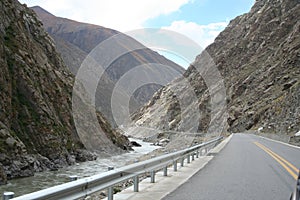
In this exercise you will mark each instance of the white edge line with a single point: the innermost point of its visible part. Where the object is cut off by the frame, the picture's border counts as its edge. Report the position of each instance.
(221, 147)
(290, 145)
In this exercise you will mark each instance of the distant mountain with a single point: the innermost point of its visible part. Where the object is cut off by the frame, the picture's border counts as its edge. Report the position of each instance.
(258, 56)
(37, 130)
(75, 40)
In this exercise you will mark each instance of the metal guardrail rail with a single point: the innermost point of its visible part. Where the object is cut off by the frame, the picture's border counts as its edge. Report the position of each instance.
(296, 194)
(86, 186)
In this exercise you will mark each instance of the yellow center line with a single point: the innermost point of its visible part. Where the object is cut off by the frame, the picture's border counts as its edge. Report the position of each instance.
(281, 161)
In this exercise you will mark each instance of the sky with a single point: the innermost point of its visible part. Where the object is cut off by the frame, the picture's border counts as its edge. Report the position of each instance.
(200, 20)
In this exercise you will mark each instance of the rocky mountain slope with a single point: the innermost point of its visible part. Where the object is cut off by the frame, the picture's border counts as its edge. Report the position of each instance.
(37, 130)
(258, 57)
(75, 40)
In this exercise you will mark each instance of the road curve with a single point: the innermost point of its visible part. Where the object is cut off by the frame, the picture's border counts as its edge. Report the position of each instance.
(249, 167)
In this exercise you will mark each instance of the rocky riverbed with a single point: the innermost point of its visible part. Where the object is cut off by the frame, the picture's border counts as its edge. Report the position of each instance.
(47, 179)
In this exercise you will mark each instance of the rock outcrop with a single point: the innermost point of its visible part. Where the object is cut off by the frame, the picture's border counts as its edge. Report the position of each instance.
(37, 130)
(258, 57)
(75, 40)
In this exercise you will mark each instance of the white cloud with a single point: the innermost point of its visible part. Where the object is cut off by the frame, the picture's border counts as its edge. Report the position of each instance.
(121, 15)
(202, 34)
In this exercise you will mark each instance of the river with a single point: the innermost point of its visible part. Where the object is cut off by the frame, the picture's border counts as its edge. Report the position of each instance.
(47, 179)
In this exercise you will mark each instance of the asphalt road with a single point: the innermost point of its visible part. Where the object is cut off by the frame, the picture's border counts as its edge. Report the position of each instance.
(249, 167)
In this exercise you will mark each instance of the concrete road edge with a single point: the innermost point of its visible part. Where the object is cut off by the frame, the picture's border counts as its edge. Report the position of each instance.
(165, 185)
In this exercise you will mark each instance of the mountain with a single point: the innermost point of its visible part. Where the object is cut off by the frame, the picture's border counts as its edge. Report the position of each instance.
(75, 40)
(37, 130)
(258, 58)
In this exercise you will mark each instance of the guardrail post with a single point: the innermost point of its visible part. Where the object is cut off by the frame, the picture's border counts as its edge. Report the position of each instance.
(175, 165)
(182, 162)
(136, 183)
(188, 158)
(110, 190)
(8, 195)
(197, 154)
(152, 175)
(110, 193)
(166, 171)
(193, 156)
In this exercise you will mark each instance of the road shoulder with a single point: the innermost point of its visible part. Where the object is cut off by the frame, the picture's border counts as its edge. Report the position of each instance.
(165, 185)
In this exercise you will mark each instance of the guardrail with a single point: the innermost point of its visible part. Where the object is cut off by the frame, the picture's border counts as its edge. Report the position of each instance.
(296, 194)
(86, 186)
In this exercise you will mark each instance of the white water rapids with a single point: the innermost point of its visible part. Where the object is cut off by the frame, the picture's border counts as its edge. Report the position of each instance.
(47, 179)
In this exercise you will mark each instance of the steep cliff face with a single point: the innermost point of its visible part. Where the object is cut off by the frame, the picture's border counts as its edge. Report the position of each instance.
(76, 40)
(258, 57)
(37, 131)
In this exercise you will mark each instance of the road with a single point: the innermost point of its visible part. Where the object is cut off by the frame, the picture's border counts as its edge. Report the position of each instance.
(249, 167)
